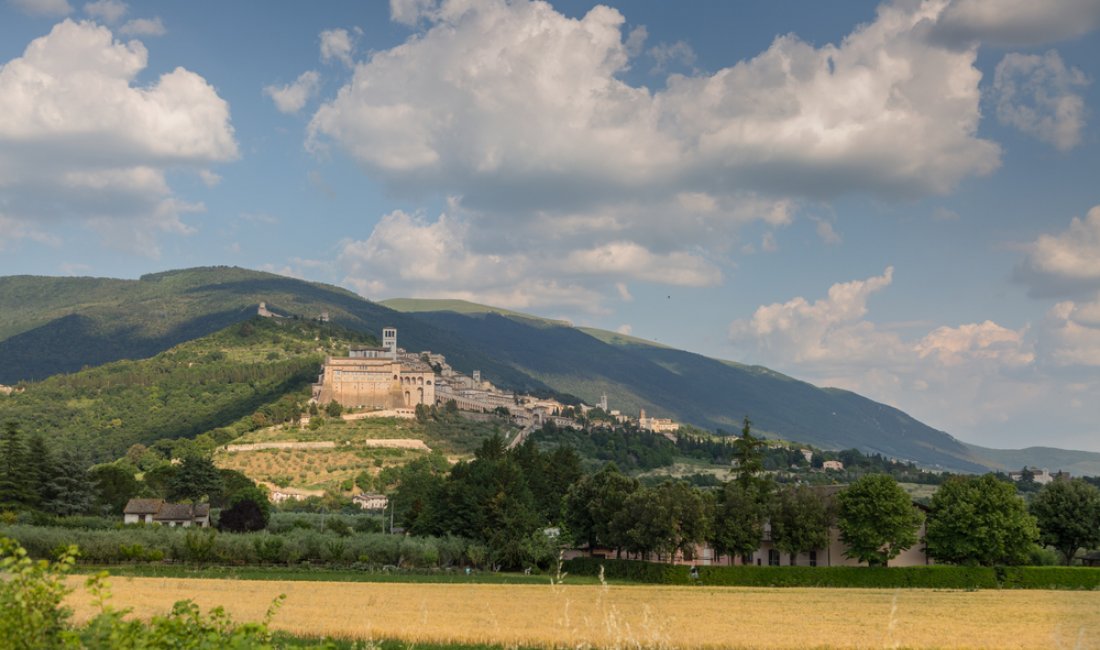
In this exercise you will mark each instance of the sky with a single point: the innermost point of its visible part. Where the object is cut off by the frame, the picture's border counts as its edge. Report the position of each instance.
(897, 198)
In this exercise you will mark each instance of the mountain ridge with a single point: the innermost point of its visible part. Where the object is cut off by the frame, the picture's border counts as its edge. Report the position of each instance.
(58, 325)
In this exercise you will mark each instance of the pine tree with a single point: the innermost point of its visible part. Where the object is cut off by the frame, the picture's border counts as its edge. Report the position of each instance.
(71, 488)
(16, 492)
(40, 471)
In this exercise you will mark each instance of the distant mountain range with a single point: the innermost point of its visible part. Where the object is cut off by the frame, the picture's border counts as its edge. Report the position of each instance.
(59, 325)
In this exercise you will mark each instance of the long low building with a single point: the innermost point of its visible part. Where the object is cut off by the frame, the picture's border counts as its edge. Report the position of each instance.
(376, 378)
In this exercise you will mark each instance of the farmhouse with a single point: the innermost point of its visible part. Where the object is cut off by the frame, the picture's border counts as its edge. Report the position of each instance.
(158, 511)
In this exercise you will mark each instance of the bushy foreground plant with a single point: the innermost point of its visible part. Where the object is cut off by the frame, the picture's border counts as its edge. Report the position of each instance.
(33, 615)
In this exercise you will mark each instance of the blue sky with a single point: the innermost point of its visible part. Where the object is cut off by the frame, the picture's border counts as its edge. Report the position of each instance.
(900, 198)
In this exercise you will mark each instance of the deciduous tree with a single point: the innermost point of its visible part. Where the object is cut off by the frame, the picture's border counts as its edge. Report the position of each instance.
(800, 521)
(979, 520)
(1068, 514)
(877, 519)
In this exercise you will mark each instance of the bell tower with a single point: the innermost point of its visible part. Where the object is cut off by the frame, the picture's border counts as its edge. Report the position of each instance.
(389, 341)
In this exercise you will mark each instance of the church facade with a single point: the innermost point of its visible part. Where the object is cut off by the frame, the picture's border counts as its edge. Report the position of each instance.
(376, 378)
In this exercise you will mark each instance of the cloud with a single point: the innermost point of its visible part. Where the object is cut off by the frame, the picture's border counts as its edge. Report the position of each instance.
(952, 346)
(144, 27)
(517, 109)
(626, 329)
(826, 233)
(502, 98)
(945, 214)
(1036, 95)
(1016, 23)
(79, 140)
(666, 54)
(337, 44)
(43, 7)
(410, 12)
(1072, 334)
(824, 331)
(407, 254)
(970, 378)
(292, 97)
(109, 11)
(13, 230)
(209, 178)
(1067, 263)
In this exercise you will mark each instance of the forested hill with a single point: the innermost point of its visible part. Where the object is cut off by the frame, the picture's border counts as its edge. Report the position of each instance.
(60, 325)
(246, 376)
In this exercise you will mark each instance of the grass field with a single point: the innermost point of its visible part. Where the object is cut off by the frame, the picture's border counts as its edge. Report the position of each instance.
(580, 616)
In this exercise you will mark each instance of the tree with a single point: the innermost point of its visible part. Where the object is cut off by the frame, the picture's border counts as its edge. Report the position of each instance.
(334, 409)
(748, 455)
(739, 515)
(248, 511)
(70, 490)
(196, 479)
(800, 521)
(114, 485)
(594, 508)
(979, 520)
(1068, 514)
(40, 471)
(16, 491)
(877, 519)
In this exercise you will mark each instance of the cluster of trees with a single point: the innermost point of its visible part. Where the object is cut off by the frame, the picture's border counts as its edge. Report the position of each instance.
(35, 478)
(504, 499)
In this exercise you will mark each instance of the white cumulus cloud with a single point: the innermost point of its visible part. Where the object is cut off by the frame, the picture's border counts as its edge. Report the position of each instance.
(1041, 97)
(523, 113)
(80, 140)
(337, 44)
(968, 378)
(1067, 263)
(293, 96)
(499, 97)
(1017, 22)
(108, 11)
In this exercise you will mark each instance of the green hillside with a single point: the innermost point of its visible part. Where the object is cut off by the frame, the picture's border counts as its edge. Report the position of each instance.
(60, 325)
(414, 305)
(705, 392)
(247, 375)
(1077, 463)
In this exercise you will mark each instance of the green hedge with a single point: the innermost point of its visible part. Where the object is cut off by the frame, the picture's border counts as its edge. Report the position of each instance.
(1049, 577)
(924, 577)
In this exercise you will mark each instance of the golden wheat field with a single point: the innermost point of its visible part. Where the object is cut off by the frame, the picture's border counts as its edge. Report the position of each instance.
(638, 616)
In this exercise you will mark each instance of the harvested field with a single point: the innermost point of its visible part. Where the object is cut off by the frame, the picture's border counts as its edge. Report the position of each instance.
(633, 616)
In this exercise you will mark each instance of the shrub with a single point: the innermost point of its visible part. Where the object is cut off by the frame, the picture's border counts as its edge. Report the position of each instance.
(32, 615)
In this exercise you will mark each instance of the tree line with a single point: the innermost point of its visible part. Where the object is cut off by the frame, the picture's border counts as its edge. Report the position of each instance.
(524, 504)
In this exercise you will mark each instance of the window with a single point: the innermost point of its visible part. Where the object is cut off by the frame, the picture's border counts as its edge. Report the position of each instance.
(773, 557)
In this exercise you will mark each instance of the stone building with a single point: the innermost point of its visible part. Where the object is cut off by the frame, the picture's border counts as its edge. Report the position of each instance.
(376, 378)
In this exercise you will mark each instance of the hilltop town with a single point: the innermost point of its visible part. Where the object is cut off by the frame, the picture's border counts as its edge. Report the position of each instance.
(393, 382)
